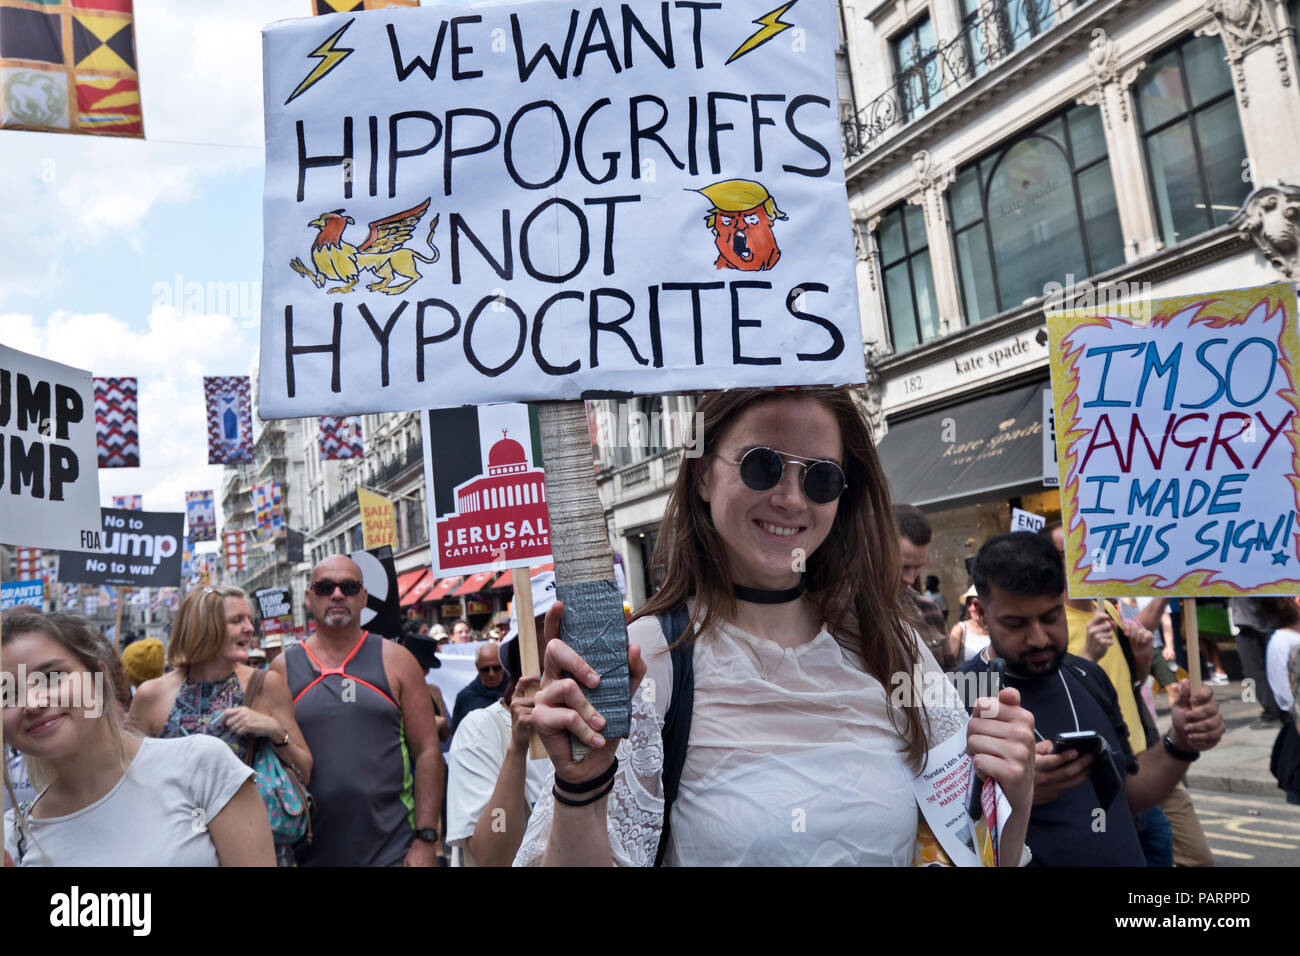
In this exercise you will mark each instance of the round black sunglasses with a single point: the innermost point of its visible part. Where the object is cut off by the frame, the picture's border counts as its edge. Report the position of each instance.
(761, 469)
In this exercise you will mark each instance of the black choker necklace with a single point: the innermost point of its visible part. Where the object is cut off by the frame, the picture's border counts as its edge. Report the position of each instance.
(764, 596)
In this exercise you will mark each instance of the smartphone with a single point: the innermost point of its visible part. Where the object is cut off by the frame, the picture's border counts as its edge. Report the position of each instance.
(1084, 741)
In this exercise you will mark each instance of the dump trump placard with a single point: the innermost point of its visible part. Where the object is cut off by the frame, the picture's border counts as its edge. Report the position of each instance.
(49, 475)
(1177, 429)
(507, 202)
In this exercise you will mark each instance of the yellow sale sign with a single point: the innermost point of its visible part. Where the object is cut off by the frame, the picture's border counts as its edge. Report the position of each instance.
(378, 520)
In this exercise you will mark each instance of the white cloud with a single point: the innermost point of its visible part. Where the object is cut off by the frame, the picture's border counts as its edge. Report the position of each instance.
(200, 70)
(170, 356)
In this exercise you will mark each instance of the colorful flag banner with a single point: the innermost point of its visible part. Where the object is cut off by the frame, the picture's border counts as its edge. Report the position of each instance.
(323, 8)
(27, 562)
(340, 438)
(230, 420)
(129, 502)
(91, 604)
(108, 597)
(117, 426)
(268, 508)
(69, 66)
(236, 550)
(201, 514)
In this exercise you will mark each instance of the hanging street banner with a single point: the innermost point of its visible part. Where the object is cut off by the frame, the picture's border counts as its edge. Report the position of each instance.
(340, 438)
(117, 425)
(201, 514)
(49, 476)
(129, 502)
(1178, 442)
(487, 490)
(135, 549)
(468, 204)
(230, 419)
(378, 520)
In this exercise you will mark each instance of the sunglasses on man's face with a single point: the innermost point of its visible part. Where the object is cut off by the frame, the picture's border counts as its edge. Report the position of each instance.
(490, 669)
(761, 469)
(325, 587)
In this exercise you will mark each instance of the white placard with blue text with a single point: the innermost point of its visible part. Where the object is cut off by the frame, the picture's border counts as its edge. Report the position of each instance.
(527, 201)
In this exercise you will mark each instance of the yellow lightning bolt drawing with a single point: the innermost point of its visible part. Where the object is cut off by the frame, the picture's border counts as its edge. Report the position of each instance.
(771, 25)
(329, 58)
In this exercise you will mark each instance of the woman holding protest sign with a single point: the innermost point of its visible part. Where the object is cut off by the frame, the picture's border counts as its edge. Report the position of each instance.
(781, 571)
(105, 796)
(211, 688)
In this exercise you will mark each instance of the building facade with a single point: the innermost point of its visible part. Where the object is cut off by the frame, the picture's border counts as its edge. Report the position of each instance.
(1004, 158)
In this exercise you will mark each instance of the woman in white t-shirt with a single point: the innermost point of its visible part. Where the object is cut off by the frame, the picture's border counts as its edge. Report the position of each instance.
(106, 797)
(799, 753)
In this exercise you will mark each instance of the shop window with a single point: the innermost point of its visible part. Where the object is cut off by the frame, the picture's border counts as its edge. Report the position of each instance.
(910, 303)
(917, 74)
(1191, 133)
(1037, 210)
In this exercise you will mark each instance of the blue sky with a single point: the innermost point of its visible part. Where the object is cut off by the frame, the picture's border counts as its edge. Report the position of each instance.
(94, 232)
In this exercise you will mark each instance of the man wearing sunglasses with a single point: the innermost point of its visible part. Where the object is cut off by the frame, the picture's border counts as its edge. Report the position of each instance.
(485, 689)
(365, 711)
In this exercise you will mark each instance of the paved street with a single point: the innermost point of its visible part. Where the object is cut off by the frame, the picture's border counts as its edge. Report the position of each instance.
(1249, 830)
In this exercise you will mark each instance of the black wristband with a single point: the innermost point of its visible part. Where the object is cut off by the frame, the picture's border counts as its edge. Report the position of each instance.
(582, 803)
(594, 783)
(1177, 752)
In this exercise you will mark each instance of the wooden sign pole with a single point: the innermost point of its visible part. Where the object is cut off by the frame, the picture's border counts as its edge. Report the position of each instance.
(581, 551)
(117, 625)
(529, 659)
(1192, 638)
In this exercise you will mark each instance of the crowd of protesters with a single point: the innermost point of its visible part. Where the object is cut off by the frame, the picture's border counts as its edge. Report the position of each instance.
(760, 684)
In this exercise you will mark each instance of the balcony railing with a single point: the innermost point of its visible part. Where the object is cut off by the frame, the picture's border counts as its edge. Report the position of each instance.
(414, 454)
(989, 36)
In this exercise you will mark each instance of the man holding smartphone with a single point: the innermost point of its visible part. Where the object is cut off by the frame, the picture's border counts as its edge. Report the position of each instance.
(1020, 585)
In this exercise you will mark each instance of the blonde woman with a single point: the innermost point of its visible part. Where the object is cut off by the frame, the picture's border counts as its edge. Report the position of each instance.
(106, 797)
(204, 692)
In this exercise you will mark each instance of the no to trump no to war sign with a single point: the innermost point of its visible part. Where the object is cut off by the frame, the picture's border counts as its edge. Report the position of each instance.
(545, 200)
(135, 549)
(1177, 428)
(49, 474)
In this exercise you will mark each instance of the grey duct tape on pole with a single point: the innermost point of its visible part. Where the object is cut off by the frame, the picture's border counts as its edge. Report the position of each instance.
(593, 623)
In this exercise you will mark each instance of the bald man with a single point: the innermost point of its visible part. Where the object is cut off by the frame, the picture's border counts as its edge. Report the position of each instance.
(485, 689)
(365, 712)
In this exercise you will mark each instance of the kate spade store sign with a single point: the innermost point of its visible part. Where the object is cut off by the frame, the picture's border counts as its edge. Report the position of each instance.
(986, 363)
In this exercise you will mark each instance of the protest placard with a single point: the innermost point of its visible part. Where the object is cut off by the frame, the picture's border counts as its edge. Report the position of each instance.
(1026, 520)
(274, 602)
(511, 202)
(1177, 430)
(382, 613)
(13, 593)
(135, 549)
(487, 491)
(49, 474)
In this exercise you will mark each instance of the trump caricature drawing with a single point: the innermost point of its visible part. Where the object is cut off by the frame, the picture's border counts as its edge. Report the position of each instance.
(741, 219)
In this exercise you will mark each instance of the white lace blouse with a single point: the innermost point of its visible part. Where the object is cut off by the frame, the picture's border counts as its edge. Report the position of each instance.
(792, 760)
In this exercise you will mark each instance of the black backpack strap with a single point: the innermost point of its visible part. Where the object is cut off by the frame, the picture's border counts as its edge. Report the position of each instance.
(677, 721)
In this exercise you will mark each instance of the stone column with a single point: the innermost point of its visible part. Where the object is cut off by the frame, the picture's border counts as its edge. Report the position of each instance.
(943, 260)
(1110, 93)
(1264, 80)
(871, 292)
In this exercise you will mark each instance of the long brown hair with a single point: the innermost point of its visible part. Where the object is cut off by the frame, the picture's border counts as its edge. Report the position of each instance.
(853, 577)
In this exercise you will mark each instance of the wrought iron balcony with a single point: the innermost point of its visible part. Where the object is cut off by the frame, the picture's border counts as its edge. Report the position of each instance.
(988, 36)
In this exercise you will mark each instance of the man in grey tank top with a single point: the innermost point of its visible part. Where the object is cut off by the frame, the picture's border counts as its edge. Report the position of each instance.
(363, 707)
